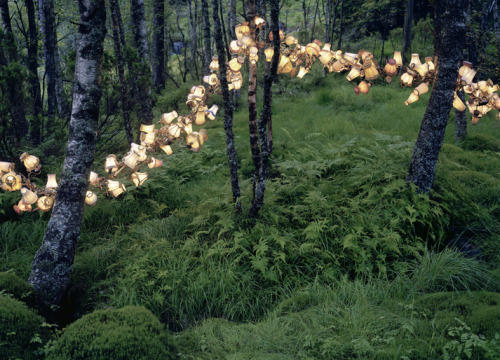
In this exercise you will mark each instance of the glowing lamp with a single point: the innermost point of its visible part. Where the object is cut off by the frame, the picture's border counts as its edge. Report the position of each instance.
(236, 63)
(138, 178)
(148, 139)
(269, 52)
(312, 49)
(302, 72)
(422, 69)
(413, 97)
(131, 159)
(458, 103)
(45, 203)
(22, 206)
(391, 68)
(210, 79)
(466, 67)
(192, 142)
(415, 61)
(430, 63)
(116, 188)
(6, 167)
(29, 197)
(154, 163)
(407, 78)
(200, 115)
(111, 166)
(337, 66)
(11, 182)
(399, 59)
(214, 65)
(474, 120)
(285, 65)
(175, 130)
(212, 112)
(30, 161)
(354, 73)
(242, 30)
(338, 54)
(291, 40)
(259, 22)
(147, 128)
(364, 87)
(253, 58)
(421, 89)
(371, 71)
(168, 149)
(167, 118)
(93, 178)
(139, 150)
(90, 198)
(51, 181)
(468, 76)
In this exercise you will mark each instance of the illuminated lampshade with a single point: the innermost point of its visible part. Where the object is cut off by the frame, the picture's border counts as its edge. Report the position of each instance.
(214, 65)
(399, 60)
(269, 52)
(131, 159)
(430, 63)
(291, 40)
(354, 73)
(167, 118)
(147, 128)
(413, 97)
(200, 115)
(51, 181)
(337, 66)
(198, 91)
(458, 103)
(236, 46)
(338, 54)
(237, 84)
(281, 33)
(325, 55)
(45, 203)
(421, 89)
(22, 206)
(94, 178)
(90, 198)
(312, 49)
(364, 87)
(138, 178)
(242, 30)
(212, 112)
(111, 165)
(422, 69)
(139, 150)
(468, 76)
(466, 66)
(493, 88)
(475, 120)
(351, 58)
(211, 79)
(30, 161)
(415, 61)
(259, 22)
(496, 102)
(469, 89)
(253, 58)
(253, 50)
(154, 163)
(391, 68)
(6, 167)
(371, 71)
(116, 188)
(302, 72)
(148, 139)
(246, 42)
(188, 129)
(285, 65)
(204, 135)
(192, 142)
(11, 182)
(236, 63)
(193, 100)
(483, 86)
(175, 130)
(29, 197)
(168, 149)
(407, 78)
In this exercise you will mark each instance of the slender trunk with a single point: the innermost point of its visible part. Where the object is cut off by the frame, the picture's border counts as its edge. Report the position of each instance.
(265, 115)
(37, 108)
(334, 18)
(496, 26)
(206, 35)
(232, 18)
(407, 29)
(120, 63)
(327, 20)
(13, 85)
(228, 108)
(194, 36)
(53, 261)
(460, 121)
(244, 8)
(224, 30)
(304, 10)
(339, 44)
(314, 20)
(430, 138)
(62, 100)
(158, 45)
(471, 37)
(138, 18)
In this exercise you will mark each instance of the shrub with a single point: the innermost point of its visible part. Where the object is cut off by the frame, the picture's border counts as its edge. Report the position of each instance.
(12, 284)
(21, 330)
(480, 142)
(132, 332)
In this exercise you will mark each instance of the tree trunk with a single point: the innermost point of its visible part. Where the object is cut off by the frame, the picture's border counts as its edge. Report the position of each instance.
(265, 115)
(460, 121)
(496, 25)
(339, 44)
(206, 35)
(138, 18)
(224, 30)
(120, 63)
(228, 108)
(304, 10)
(232, 18)
(407, 30)
(314, 20)
(334, 17)
(53, 262)
(62, 100)
(430, 138)
(158, 45)
(194, 37)
(15, 90)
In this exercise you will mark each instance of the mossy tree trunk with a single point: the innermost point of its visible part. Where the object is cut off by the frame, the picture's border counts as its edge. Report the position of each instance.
(228, 107)
(206, 36)
(53, 261)
(159, 45)
(430, 138)
(410, 4)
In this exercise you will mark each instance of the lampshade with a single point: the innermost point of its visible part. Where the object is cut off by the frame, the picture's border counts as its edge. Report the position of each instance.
(269, 52)
(259, 22)
(421, 89)
(154, 163)
(354, 73)
(30, 161)
(337, 66)
(138, 178)
(175, 130)
(147, 128)
(214, 65)
(6, 167)
(468, 76)
(246, 42)
(22, 206)
(291, 40)
(407, 78)
(29, 197)
(139, 150)
(148, 139)
(466, 66)
(399, 60)
(236, 63)
(312, 49)
(371, 71)
(90, 198)
(351, 58)
(497, 102)
(212, 112)
(422, 69)
(51, 181)
(415, 61)
(168, 150)
(302, 72)
(111, 164)
(236, 46)
(11, 182)
(203, 136)
(458, 103)
(430, 63)
(93, 178)
(200, 115)
(413, 97)
(242, 30)
(285, 65)
(474, 120)
(167, 118)
(483, 86)
(325, 55)
(253, 58)
(192, 142)
(391, 68)
(188, 129)
(364, 87)
(211, 79)
(337, 54)
(45, 203)
(131, 159)
(116, 188)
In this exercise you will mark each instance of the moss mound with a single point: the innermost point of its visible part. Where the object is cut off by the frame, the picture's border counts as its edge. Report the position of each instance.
(21, 331)
(131, 332)
(480, 142)
(12, 284)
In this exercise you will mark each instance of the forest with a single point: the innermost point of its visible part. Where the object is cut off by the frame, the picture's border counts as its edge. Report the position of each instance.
(250, 179)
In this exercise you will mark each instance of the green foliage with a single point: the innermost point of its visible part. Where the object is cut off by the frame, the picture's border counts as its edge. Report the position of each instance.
(481, 142)
(131, 332)
(13, 285)
(22, 332)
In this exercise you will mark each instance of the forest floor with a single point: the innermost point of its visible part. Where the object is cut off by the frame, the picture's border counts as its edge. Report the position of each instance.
(346, 260)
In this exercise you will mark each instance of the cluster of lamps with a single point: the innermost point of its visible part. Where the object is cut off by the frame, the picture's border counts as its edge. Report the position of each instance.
(361, 68)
